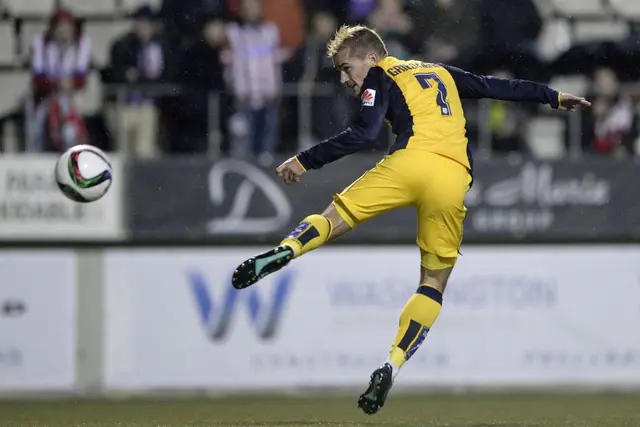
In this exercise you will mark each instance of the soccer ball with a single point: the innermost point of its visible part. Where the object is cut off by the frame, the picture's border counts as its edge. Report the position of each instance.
(83, 173)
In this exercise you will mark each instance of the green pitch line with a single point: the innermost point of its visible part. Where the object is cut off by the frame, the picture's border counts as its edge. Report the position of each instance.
(423, 411)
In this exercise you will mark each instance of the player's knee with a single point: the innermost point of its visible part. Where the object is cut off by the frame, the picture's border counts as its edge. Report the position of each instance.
(436, 269)
(338, 225)
(435, 262)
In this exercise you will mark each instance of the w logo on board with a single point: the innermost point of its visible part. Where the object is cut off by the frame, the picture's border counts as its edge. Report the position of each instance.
(217, 313)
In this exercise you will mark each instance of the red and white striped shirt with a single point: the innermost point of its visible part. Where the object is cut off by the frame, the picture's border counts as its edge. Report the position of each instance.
(50, 62)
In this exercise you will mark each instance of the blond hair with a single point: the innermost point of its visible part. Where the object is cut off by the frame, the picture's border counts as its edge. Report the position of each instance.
(359, 39)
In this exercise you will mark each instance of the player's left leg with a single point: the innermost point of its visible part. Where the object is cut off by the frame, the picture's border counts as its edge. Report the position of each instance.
(441, 212)
(416, 319)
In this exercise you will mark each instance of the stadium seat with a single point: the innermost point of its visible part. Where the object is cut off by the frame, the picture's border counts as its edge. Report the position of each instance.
(102, 36)
(546, 137)
(574, 84)
(91, 7)
(15, 85)
(132, 5)
(89, 100)
(555, 38)
(580, 7)
(7, 43)
(627, 8)
(545, 7)
(600, 31)
(30, 7)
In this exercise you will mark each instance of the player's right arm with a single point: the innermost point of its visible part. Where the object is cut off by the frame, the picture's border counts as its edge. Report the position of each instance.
(472, 86)
(363, 132)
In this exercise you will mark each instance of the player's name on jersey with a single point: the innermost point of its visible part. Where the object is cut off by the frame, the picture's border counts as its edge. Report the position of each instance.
(399, 69)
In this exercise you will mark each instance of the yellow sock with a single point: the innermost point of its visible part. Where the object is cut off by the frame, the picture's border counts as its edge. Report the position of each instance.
(312, 233)
(417, 317)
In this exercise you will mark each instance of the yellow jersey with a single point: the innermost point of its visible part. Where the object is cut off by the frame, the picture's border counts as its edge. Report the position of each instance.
(422, 104)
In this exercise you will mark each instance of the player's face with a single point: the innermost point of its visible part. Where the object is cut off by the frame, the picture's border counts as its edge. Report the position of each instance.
(353, 69)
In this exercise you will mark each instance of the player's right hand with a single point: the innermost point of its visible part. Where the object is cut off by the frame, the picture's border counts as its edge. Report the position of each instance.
(290, 171)
(569, 102)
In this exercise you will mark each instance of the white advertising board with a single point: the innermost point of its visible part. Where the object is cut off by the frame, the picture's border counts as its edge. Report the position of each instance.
(37, 320)
(511, 317)
(32, 206)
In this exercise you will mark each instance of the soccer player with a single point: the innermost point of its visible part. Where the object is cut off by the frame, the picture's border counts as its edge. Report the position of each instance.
(429, 166)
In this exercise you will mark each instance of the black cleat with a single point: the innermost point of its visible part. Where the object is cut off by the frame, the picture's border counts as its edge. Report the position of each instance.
(381, 381)
(254, 269)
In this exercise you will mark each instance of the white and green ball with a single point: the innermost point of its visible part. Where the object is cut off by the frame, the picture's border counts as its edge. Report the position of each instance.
(83, 173)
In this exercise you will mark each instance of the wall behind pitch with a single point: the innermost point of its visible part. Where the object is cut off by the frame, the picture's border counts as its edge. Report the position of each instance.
(512, 317)
(209, 200)
(37, 320)
(32, 208)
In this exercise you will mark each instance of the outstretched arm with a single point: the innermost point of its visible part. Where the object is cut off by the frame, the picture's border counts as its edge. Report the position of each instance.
(472, 86)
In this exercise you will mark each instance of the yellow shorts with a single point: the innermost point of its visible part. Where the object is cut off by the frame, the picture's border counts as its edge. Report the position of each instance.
(434, 184)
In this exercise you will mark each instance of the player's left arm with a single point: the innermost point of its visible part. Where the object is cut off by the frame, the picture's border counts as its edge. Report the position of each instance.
(363, 132)
(472, 86)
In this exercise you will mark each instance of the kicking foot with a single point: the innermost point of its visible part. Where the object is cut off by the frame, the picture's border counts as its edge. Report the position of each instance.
(373, 398)
(254, 269)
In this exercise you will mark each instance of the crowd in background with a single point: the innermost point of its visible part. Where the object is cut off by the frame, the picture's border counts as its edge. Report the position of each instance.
(247, 50)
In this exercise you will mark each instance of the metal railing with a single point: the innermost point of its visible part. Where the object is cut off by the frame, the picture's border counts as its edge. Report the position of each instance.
(305, 93)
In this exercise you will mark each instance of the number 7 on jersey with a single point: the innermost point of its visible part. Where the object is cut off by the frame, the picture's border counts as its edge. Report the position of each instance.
(441, 99)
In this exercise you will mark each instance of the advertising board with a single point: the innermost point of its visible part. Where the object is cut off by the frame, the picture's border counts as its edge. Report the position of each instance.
(33, 208)
(511, 317)
(37, 320)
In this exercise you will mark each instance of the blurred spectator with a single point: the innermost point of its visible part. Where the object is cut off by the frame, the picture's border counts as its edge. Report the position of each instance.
(318, 66)
(333, 7)
(137, 57)
(289, 17)
(246, 63)
(394, 26)
(182, 20)
(611, 125)
(331, 109)
(201, 73)
(508, 122)
(60, 59)
(449, 28)
(508, 36)
(359, 10)
(254, 61)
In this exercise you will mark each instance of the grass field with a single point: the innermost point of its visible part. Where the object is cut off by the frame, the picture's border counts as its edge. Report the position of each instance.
(429, 410)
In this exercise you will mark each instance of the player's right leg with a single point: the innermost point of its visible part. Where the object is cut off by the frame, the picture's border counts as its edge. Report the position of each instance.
(376, 191)
(310, 234)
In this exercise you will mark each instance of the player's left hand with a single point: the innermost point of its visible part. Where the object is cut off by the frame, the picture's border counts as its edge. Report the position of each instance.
(569, 102)
(291, 170)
